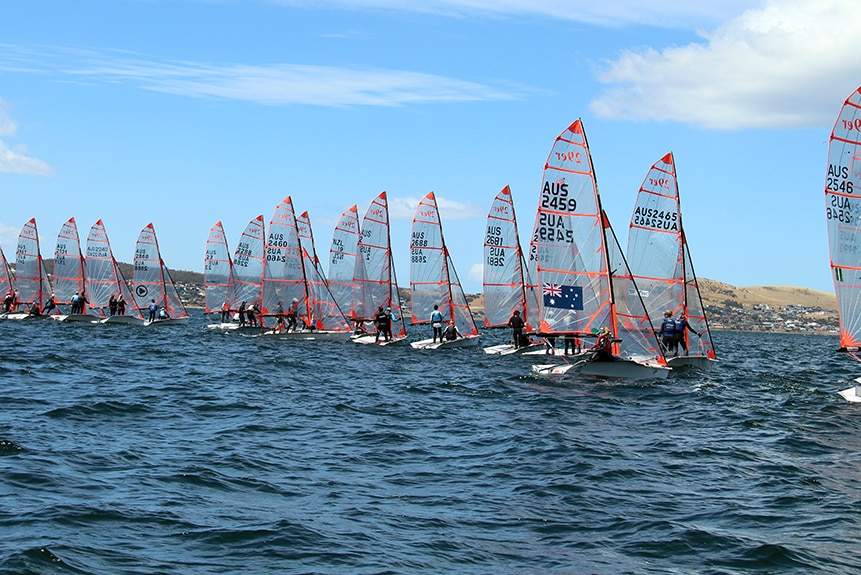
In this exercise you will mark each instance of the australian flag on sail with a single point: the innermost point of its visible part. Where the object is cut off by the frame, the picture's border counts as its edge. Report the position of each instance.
(562, 296)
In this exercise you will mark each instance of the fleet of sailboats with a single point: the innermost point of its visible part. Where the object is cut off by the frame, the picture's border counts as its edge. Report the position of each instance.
(662, 267)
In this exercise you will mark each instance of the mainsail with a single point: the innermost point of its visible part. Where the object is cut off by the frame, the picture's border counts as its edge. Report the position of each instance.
(659, 257)
(374, 281)
(7, 278)
(69, 265)
(152, 279)
(104, 277)
(324, 310)
(585, 282)
(342, 260)
(843, 217)
(30, 274)
(248, 264)
(217, 270)
(284, 272)
(506, 287)
(433, 279)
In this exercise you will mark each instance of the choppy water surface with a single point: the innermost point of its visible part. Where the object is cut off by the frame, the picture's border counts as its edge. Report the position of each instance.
(177, 450)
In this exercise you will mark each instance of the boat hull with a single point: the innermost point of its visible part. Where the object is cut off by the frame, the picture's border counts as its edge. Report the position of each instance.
(371, 339)
(309, 335)
(77, 317)
(467, 341)
(852, 394)
(618, 369)
(509, 349)
(696, 361)
(122, 320)
(167, 322)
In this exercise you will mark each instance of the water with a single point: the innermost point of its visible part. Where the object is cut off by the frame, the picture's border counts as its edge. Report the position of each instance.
(128, 450)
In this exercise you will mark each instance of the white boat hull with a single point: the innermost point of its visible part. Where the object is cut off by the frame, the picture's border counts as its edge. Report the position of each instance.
(618, 369)
(697, 361)
(309, 335)
(509, 349)
(223, 326)
(167, 322)
(371, 339)
(77, 317)
(122, 319)
(466, 341)
(853, 394)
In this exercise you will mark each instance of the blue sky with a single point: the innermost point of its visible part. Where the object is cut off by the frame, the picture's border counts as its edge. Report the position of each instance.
(183, 112)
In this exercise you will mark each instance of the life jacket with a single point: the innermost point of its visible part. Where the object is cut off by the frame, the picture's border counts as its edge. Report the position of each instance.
(516, 322)
(680, 325)
(668, 326)
(436, 316)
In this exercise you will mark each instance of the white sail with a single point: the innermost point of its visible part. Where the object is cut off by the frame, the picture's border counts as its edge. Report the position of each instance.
(505, 283)
(7, 278)
(217, 270)
(342, 260)
(585, 281)
(374, 280)
(152, 279)
(30, 274)
(249, 261)
(69, 265)
(433, 280)
(660, 259)
(284, 273)
(104, 277)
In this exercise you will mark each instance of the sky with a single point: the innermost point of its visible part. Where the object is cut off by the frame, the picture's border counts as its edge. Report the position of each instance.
(186, 112)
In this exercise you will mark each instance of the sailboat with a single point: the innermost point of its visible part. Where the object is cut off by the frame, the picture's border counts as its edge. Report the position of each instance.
(153, 284)
(434, 281)
(291, 282)
(249, 262)
(217, 275)
(70, 273)
(105, 279)
(843, 219)
(8, 286)
(661, 263)
(505, 283)
(375, 283)
(342, 261)
(585, 281)
(30, 275)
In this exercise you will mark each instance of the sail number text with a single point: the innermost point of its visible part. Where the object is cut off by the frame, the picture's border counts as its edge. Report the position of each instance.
(554, 196)
(840, 210)
(492, 241)
(657, 219)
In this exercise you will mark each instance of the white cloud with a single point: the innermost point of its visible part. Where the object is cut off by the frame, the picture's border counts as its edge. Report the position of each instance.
(279, 84)
(664, 13)
(15, 161)
(405, 209)
(789, 64)
(476, 273)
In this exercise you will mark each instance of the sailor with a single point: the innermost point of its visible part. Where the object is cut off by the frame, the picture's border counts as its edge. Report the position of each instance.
(153, 308)
(516, 323)
(242, 314)
(49, 305)
(384, 324)
(451, 333)
(34, 309)
(436, 323)
(668, 333)
(7, 302)
(603, 348)
(121, 305)
(681, 324)
(572, 344)
(225, 312)
(112, 304)
(250, 311)
(292, 314)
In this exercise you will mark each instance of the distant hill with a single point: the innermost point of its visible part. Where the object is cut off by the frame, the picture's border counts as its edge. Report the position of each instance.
(718, 293)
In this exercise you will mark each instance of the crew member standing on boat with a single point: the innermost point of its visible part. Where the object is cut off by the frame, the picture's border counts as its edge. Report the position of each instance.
(603, 348)
(384, 325)
(436, 323)
(225, 312)
(112, 304)
(49, 305)
(121, 305)
(516, 323)
(7, 302)
(668, 333)
(250, 311)
(292, 314)
(681, 325)
(153, 308)
(242, 314)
